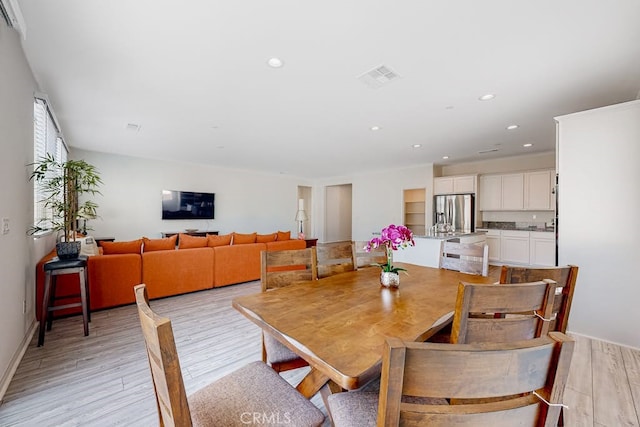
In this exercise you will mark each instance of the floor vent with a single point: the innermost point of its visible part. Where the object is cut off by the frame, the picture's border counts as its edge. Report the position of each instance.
(378, 77)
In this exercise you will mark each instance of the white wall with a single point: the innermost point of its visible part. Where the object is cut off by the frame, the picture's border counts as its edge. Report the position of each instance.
(18, 252)
(599, 207)
(534, 161)
(130, 204)
(377, 198)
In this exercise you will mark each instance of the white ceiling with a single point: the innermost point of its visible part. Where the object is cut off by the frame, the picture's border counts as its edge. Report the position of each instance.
(194, 76)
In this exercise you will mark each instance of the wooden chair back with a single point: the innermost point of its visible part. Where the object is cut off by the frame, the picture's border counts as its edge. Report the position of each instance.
(171, 398)
(565, 277)
(279, 269)
(502, 313)
(334, 258)
(469, 258)
(497, 379)
(283, 268)
(366, 259)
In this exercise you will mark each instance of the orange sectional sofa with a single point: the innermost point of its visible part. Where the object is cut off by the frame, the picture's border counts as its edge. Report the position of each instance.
(196, 263)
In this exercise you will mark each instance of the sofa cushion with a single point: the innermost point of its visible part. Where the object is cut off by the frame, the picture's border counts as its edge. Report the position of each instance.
(189, 242)
(284, 235)
(264, 238)
(214, 240)
(130, 247)
(159, 244)
(243, 239)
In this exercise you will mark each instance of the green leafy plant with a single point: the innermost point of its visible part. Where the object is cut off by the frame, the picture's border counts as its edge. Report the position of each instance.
(63, 184)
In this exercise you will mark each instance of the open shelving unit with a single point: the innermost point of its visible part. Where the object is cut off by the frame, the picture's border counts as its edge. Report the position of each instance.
(414, 210)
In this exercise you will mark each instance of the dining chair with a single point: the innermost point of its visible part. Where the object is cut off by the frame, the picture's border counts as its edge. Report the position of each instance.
(334, 258)
(565, 278)
(500, 384)
(367, 259)
(279, 269)
(502, 313)
(232, 400)
(472, 258)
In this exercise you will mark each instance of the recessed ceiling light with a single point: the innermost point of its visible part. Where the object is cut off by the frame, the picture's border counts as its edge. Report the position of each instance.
(487, 97)
(445, 157)
(527, 145)
(417, 145)
(512, 127)
(375, 128)
(275, 62)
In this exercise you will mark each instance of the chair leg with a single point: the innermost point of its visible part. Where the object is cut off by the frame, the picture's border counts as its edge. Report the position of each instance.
(52, 299)
(84, 301)
(45, 308)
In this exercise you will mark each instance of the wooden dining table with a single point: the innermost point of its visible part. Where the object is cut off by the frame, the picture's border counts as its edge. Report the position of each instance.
(339, 324)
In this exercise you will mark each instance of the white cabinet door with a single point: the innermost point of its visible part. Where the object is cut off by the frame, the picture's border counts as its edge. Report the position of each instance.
(542, 248)
(464, 184)
(514, 247)
(443, 185)
(537, 190)
(513, 192)
(490, 192)
(494, 248)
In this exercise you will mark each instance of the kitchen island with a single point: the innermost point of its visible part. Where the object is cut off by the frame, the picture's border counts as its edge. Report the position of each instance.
(426, 251)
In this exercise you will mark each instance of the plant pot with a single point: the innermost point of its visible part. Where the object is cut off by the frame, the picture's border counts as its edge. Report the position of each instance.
(68, 250)
(389, 280)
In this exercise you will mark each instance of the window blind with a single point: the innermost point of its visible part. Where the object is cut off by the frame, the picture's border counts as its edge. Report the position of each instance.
(47, 140)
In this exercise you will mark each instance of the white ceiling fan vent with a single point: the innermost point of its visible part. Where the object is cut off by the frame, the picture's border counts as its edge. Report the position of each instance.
(378, 76)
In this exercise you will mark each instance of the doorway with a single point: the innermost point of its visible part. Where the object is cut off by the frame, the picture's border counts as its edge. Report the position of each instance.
(338, 213)
(305, 203)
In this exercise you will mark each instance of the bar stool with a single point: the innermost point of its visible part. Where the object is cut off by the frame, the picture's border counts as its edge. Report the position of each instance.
(57, 267)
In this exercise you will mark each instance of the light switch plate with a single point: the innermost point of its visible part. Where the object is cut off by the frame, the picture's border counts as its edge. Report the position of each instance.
(5, 225)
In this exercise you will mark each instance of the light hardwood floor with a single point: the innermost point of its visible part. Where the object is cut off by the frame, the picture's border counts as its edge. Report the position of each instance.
(104, 380)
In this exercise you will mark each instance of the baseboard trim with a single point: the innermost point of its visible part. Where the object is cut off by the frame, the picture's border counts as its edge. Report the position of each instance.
(16, 359)
(569, 332)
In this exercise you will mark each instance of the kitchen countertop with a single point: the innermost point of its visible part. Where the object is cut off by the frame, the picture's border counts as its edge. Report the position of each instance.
(517, 226)
(544, 230)
(450, 235)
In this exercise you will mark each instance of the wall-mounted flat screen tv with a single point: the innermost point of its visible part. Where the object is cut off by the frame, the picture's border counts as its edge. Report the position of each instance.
(187, 205)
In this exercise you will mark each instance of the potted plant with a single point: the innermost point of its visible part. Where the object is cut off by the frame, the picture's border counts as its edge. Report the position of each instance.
(391, 238)
(63, 184)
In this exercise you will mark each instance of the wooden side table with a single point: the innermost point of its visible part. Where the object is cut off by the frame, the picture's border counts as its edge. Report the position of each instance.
(311, 242)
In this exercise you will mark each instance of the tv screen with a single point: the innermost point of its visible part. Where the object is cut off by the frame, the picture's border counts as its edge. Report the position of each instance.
(187, 205)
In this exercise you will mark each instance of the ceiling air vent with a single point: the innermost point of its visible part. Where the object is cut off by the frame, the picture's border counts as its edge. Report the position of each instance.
(378, 77)
(491, 150)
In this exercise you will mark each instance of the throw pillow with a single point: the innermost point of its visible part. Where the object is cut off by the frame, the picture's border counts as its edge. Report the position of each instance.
(264, 238)
(284, 235)
(241, 239)
(89, 246)
(159, 244)
(214, 240)
(130, 247)
(188, 242)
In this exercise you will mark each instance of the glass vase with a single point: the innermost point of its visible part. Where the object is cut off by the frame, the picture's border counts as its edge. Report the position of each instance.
(389, 279)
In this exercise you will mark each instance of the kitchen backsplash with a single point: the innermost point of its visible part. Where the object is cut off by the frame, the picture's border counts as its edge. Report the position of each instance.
(526, 217)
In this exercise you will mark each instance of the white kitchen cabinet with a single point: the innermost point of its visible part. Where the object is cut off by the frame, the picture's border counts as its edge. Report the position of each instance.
(513, 192)
(514, 246)
(455, 184)
(542, 248)
(502, 192)
(538, 187)
(490, 192)
(493, 240)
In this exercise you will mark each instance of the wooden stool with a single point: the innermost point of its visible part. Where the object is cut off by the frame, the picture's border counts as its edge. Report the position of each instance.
(57, 267)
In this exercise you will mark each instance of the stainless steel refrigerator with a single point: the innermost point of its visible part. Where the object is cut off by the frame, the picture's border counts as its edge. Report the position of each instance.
(456, 210)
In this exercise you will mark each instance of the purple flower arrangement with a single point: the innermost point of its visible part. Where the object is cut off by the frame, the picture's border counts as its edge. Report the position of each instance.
(392, 238)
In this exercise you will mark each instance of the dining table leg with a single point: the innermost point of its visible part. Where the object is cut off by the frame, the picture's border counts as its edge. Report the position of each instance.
(312, 383)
